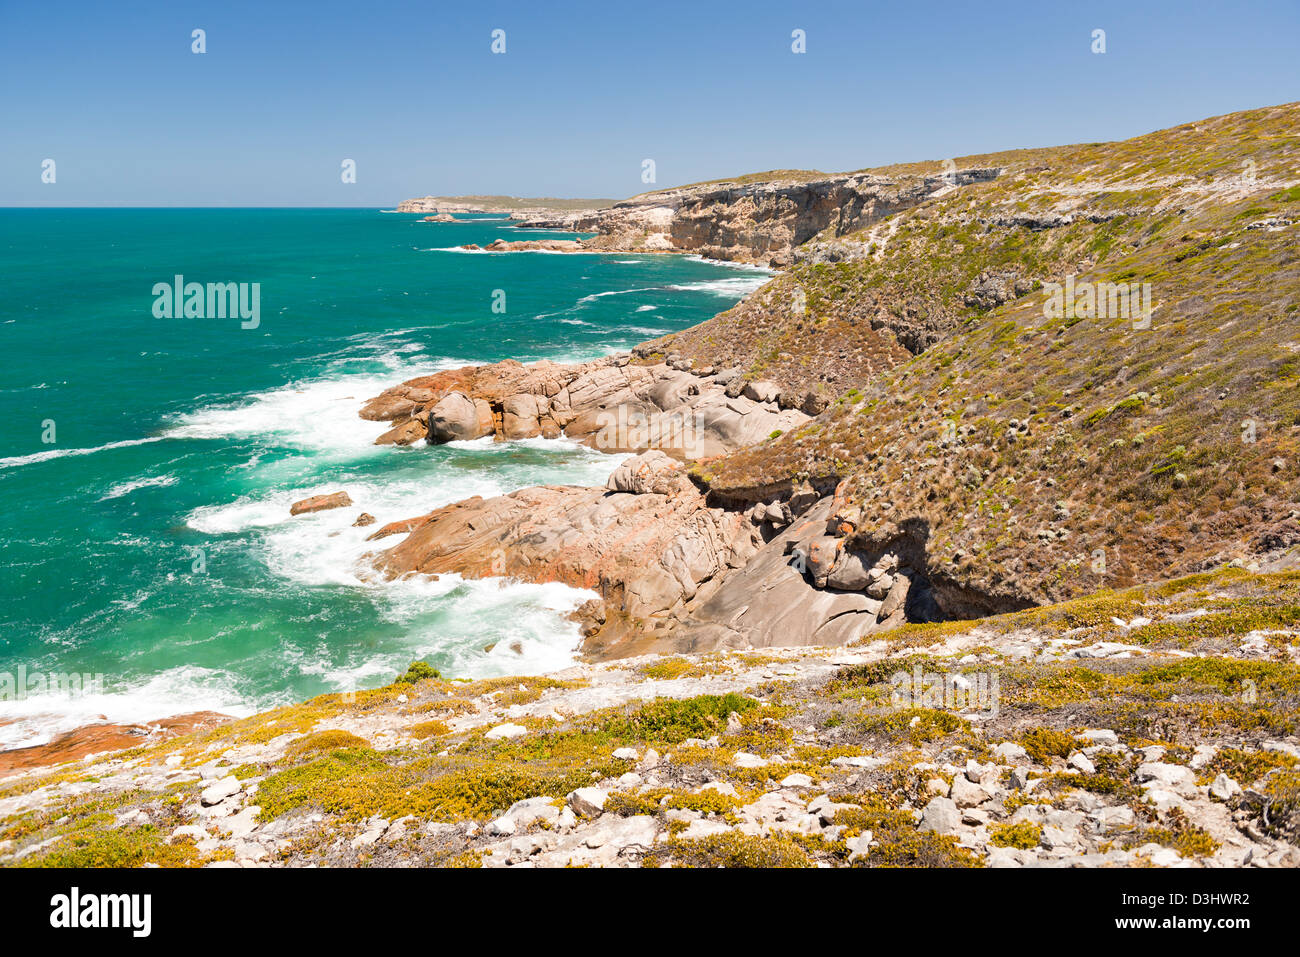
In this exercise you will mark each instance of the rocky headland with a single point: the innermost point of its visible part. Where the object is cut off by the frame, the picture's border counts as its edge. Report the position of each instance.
(514, 206)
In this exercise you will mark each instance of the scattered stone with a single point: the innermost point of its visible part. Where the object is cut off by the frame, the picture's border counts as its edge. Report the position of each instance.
(1159, 856)
(188, 830)
(1224, 788)
(1011, 753)
(941, 816)
(704, 828)
(620, 832)
(241, 824)
(250, 852)
(1080, 762)
(1114, 818)
(826, 809)
(1055, 837)
(224, 788)
(722, 787)
(375, 829)
(1173, 777)
(1098, 736)
(966, 793)
(1108, 649)
(859, 846)
(527, 846)
(762, 391)
(506, 731)
(1020, 779)
(1281, 747)
(587, 802)
(1165, 800)
(858, 762)
(1202, 755)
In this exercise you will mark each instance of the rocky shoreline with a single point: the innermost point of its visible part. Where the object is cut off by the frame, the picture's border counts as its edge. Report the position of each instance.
(95, 739)
(675, 570)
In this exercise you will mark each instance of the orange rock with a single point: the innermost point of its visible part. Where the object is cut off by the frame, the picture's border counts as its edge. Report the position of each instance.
(99, 738)
(319, 503)
(407, 432)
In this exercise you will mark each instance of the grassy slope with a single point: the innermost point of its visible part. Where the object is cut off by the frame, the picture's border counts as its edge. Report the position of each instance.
(1137, 434)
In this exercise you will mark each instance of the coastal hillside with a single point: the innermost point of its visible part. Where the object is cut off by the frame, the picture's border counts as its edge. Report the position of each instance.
(1036, 449)
(1151, 727)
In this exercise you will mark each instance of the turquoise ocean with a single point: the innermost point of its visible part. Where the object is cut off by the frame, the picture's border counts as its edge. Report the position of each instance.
(147, 464)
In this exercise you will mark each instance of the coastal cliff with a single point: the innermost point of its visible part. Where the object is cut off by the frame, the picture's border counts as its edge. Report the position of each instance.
(756, 219)
(753, 219)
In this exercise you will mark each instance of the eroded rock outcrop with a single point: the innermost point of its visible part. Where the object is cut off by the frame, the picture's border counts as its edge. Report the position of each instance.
(613, 404)
(672, 571)
(528, 245)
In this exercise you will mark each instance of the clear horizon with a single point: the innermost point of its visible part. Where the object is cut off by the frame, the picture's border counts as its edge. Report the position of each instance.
(583, 93)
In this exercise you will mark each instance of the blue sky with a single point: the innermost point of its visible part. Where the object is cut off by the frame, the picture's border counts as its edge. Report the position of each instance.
(585, 91)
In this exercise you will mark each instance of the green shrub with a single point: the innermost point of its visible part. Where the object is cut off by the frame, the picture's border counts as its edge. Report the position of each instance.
(673, 721)
(417, 671)
(1043, 744)
(1024, 835)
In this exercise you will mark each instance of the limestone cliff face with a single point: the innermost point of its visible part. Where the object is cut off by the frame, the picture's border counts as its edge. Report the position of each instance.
(759, 222)
(756, 222)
